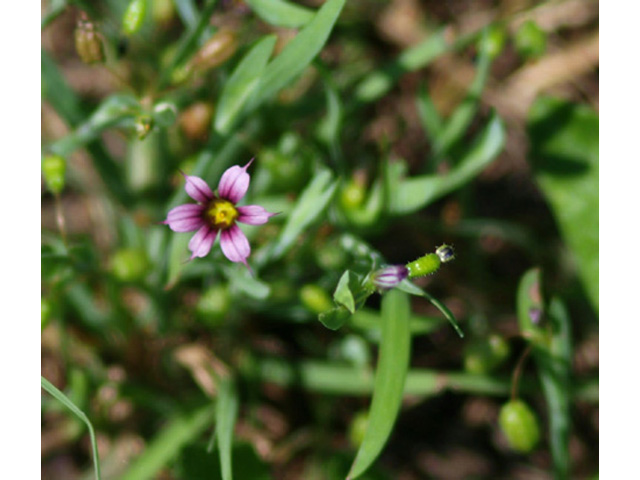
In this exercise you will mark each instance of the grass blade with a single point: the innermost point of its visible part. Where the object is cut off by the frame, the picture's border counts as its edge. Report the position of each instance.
(167, 444)
(242, 83)
(62, 398)
(393, 363)
(299, 53)
(226, 414)
(280, 13)
(417, 192)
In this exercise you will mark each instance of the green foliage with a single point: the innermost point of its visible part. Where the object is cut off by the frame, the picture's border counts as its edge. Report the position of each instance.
(564, 156)
(371, 153)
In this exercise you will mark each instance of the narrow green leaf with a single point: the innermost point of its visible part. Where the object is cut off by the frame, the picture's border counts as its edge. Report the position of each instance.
(548, 330)
(58, 93)
(314, 199)
(393, 363)
(429, 116)
(242, 83)
(280, 13)
(376, 84)
(62, 398)
(462, 116)
(343, 295)
(299, 52)
(226, 414)
(407, 286)
(167, 444)
(417, 192)
(564, 154)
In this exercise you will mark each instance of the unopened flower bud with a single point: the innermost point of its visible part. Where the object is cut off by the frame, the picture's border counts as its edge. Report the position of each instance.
(220, 47)
(133, 17)
(530, 40)
(389, 277)
(53, 171)
(88, 41)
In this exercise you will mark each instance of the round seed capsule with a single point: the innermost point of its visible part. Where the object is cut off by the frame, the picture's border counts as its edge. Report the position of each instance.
(520, 426)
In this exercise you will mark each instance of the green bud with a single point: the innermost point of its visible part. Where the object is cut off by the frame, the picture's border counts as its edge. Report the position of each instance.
(493, 41)
(426, 265)
(520, 426)
(214, 305)
(352, 194)
(53, 170)
(46, 309)
(530, 40)
(133, 17)
(88, 41)
(481, 356)
(357, 428)
(315, 299)
(129, 264)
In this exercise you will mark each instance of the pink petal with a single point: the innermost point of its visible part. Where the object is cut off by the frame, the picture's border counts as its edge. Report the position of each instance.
(235, 245)
(201, 243)
(185, 218)
(254, 215)
(234, 183)
(197, 189)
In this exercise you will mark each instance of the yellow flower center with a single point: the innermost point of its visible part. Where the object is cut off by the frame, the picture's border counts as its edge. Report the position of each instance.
(221, 213)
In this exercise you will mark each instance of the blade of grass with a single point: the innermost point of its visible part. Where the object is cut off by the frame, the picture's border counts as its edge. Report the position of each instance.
(280, 13)
(242, 83)
(62, 398)
(181, 430)
(409, 287)
(417, 192)
(551, 348)
(391, 372)
(226, 414)
(299, 52)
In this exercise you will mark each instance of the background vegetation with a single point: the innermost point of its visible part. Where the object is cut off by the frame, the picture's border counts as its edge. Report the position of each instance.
(381, 129)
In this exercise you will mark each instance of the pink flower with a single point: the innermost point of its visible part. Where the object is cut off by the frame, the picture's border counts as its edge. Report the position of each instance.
(218, 213)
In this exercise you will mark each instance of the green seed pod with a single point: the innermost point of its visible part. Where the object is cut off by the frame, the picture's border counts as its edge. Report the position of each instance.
(53, 171)
(530, 40)
(129, 264)
(88, 41)
(315, 299)
(214, 305)
(220, 47)
(520, 426)
(133, 17)
(483, 355)
(162, 11)
(426, 265)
